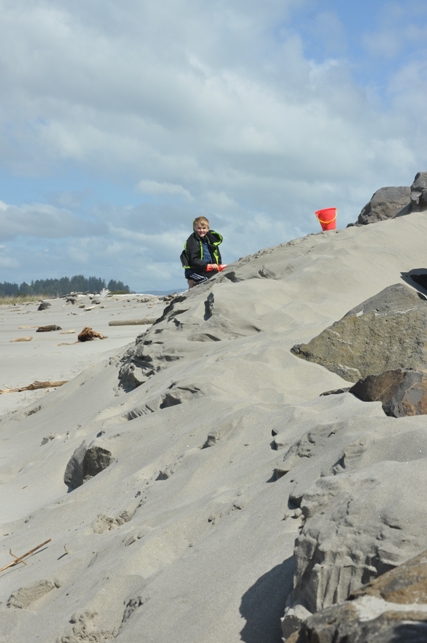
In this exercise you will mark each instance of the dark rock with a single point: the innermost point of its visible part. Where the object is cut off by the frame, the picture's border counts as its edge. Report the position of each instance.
(371, 613)
(85, 463)
(341, 624)
(419, 193)
(95, 460)
(385, 204)
(163, 475)
(402, 392)
(48, 329)
(405, 584)
(420, 279)
(44, 305)
(386, 332)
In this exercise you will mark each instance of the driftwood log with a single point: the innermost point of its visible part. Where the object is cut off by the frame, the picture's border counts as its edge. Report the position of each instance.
(22, 339)
(48, 329)
(132, 322)
(88, 334)
(34, 386)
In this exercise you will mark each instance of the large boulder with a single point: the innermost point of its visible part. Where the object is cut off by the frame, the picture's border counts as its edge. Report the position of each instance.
(402, 392)
(359, 523)
(385, 204)
(391, 609)
(384, 333)
(419, 193)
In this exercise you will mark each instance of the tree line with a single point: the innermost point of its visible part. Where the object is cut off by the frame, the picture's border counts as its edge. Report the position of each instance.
(60, 287)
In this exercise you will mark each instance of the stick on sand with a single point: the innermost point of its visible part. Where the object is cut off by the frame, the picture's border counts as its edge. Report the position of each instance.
(19, 559)
(34, 386)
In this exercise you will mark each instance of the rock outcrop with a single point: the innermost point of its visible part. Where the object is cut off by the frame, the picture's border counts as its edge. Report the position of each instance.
(419, 193)
(384, 333)
(390, 202)
(391, 609)
(386, 203)
(358, 524)
(402, 392)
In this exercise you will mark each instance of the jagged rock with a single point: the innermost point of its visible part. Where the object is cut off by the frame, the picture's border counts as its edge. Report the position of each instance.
(95, 460)
(359, 524)
(385, 204)
(85, 463)
(391, 609)
(384, 333)
(419, 193)
(402, 392)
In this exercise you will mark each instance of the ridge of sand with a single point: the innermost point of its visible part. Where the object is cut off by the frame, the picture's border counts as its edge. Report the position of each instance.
(187, 534)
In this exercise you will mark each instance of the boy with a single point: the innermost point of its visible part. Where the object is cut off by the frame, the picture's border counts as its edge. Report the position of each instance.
(201, 257)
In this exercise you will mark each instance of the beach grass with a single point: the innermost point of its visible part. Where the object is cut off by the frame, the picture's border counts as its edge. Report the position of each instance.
(20, 299)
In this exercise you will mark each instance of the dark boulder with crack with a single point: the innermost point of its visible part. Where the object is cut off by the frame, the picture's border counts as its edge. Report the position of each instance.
(402, 392)
(383, 333)
(391, 609)
(385, 204)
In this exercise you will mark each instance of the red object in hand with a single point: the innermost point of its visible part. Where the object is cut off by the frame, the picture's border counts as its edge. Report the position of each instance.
(214, 266)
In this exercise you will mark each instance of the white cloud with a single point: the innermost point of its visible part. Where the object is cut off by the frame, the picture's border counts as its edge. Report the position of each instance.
(42, 220)
(202, 107)
(154, 188)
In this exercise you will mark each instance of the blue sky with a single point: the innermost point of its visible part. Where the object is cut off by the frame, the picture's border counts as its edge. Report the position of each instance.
(121, 122)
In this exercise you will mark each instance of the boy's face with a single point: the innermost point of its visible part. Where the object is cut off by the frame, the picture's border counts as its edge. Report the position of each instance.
(201, 228)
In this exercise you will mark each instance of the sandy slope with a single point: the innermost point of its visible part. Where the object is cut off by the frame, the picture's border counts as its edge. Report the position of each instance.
(203, 551)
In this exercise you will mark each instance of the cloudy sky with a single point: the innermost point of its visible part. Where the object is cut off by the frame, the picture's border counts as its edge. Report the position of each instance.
(122, 121)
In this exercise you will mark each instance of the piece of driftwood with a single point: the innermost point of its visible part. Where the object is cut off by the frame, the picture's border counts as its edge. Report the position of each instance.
(34, 386)
(48, 329)
(88, 334)
(20, 559)
(132, 322)
(22, 339)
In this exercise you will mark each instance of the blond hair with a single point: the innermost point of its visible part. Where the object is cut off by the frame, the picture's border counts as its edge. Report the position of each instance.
(200, 220)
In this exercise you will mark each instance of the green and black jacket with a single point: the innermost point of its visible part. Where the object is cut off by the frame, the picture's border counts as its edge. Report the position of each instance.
(191, 257)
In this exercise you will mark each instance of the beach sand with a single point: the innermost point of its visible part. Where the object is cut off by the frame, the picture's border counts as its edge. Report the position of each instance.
(187, 535)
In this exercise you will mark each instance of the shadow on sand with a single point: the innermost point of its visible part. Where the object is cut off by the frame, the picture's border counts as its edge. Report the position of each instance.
(263, 604)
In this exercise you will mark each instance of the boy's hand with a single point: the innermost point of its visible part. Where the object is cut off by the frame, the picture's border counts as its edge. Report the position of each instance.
(211, 266)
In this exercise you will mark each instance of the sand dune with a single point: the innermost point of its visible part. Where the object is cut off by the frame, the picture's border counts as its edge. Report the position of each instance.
(189, 533)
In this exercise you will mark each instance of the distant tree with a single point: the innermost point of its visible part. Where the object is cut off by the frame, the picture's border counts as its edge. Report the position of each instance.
(60, 287)
(25, 289)
(115, 286)
(9, 290)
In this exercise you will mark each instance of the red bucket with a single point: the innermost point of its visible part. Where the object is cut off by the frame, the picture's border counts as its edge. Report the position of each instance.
(327, 218)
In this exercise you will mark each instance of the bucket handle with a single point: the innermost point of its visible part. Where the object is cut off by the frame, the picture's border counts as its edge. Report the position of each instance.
(330, 220)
